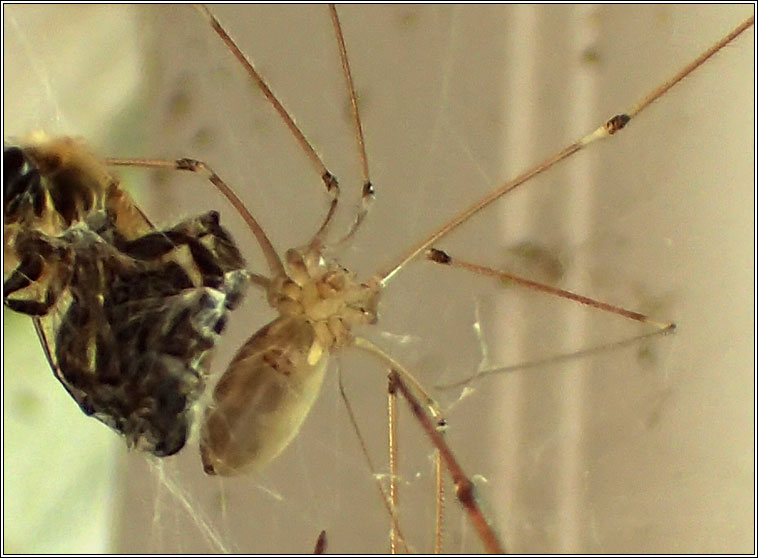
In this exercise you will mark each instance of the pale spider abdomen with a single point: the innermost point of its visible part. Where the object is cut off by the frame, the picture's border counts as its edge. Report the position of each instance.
(263, 398)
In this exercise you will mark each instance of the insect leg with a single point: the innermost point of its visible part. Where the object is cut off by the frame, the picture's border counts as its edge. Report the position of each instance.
(41, 276)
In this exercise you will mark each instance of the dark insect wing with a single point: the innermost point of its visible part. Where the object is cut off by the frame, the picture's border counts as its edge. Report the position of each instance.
(137, 334)
(127, 315)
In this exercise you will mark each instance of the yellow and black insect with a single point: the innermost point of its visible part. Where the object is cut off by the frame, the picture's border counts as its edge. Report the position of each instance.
(127, 314)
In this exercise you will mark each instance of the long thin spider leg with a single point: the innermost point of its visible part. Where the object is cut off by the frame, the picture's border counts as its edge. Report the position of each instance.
(464, 488)
(386, 499)
(392, 446)
(541, 363)
(428, 400)
(609, 128)
(691, 67)
(439, 493)
(321, 542)
(272, 259)
(330, 181)
(367, 194)
(318, 241)
(439, 502)
(441, 257)
(662, 328)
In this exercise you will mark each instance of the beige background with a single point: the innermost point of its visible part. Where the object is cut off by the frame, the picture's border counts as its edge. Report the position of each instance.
(645, 449)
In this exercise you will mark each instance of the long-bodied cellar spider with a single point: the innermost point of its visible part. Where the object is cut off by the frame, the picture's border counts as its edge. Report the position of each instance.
(620, 470)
